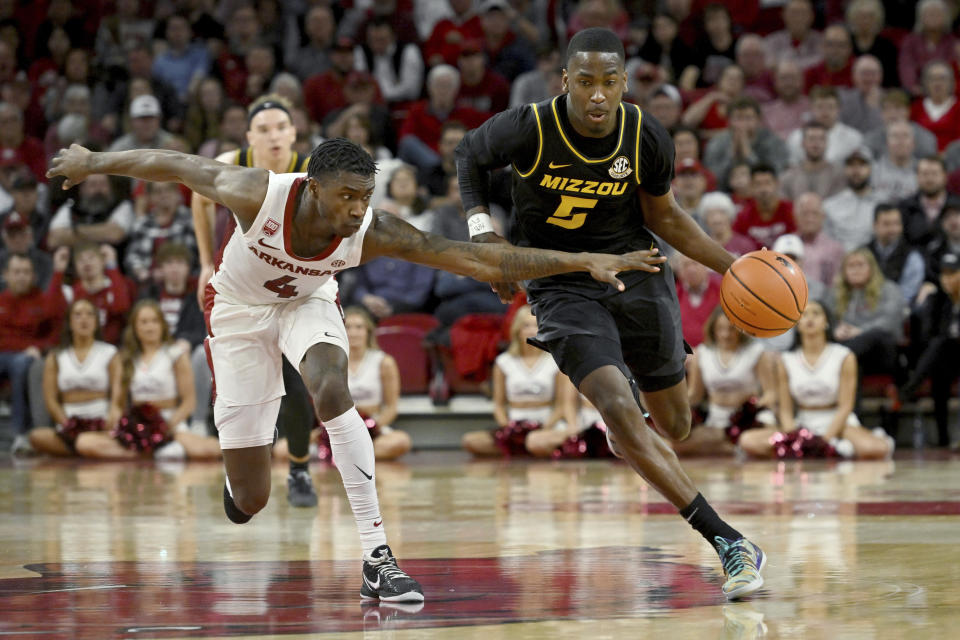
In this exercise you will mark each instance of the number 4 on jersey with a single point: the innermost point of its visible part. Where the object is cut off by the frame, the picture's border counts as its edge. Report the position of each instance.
(282, 287)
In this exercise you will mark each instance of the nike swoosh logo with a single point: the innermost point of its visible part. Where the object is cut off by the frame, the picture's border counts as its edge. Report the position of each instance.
(557, 166)
(268, 246)
(372, 585)
(330, 335)
(378, 523)
(368, 476)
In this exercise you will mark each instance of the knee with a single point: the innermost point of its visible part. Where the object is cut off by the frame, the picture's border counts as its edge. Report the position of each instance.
(330, 394)
(478, 442)
(391, 445)
(677, 424)
(617, 409)
(540, 443)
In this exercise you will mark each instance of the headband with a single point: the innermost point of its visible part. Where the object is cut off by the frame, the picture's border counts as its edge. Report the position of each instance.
(263, 106)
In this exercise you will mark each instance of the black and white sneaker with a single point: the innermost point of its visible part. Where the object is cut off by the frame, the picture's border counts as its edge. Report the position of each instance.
(300, 492)
(383, 579)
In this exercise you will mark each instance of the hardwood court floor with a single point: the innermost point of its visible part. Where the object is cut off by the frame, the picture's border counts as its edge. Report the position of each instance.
(515, 549)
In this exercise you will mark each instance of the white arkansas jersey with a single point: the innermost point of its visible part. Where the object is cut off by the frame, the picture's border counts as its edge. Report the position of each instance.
(259, 266)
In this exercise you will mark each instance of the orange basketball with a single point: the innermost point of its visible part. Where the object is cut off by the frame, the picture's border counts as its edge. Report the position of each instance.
(763, 293)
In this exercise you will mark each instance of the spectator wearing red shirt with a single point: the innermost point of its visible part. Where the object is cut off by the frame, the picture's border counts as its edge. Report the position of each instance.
(323, 92)
(31, 320)
(15, 146)
(930, 41)
(836, 70)
(449, 34)
(698, 292)
(939, 111)
(765, 217)
(421, 130)
(243, 34)
(481, 88)
(100, 282)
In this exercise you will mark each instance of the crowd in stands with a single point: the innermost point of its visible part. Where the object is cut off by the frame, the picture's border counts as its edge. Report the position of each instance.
(829, 128)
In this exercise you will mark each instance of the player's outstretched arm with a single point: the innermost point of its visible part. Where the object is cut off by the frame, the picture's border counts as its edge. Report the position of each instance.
(390, 236)
(665, 217)
(240, 189)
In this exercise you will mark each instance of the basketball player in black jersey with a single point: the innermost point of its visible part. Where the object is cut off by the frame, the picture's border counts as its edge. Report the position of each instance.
(270, 138)
(592, 173)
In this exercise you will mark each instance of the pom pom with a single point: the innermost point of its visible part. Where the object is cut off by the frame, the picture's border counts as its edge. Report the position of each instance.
(589, 443)
(512, 439)
(74, 426)
(143, 429)
(801, 443)
(743, 419)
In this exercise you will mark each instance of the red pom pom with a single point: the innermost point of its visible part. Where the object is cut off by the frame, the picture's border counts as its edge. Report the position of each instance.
(743, 419)
(589, 443)
(74, 426)
(801, 443)
(512, 439)
(143, 429)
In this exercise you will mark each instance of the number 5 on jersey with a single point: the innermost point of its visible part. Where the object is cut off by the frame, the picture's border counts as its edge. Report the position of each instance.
(282, 287)
(565, 215)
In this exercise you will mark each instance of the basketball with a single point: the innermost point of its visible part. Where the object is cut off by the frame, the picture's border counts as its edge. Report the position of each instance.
(763, 293)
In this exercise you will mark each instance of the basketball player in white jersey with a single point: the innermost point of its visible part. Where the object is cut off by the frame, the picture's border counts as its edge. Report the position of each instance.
(270, 138)
(275, 293)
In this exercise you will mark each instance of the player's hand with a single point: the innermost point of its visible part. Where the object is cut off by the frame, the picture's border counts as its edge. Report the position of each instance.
(605, 267)
(73, 164)
(206, 272)
(505, 290)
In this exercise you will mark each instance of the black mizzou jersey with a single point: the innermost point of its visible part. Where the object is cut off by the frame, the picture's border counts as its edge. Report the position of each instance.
(570, 201)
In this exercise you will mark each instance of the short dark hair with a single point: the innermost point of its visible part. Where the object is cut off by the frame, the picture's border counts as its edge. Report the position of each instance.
(340, 155)
(824, 91)
(22, 256)
(763, 168)
(814, 124)
(933, 158)
(745, 102)
(595, 39)
(452, 124)
(172, 251)
(883, 207)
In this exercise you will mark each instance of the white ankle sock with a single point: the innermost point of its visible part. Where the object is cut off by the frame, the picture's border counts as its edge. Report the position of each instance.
(353, 454)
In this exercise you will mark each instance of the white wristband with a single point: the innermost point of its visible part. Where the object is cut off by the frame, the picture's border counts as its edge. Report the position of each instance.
(479, 223)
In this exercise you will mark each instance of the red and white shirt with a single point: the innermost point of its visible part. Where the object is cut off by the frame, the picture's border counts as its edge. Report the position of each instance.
(260, 267)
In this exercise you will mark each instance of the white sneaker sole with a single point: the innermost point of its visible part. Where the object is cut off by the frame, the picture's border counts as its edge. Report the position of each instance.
(410, 596)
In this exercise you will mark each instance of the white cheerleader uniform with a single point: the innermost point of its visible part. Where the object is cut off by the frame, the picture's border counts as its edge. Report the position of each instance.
(529, 384)
(736, 376)
(156, 380)
(93, 374)
(366, 386)
(817, 385)
(264, 300)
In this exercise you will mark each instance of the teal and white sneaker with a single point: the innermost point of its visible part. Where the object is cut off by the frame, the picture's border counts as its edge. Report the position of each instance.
(742, 563)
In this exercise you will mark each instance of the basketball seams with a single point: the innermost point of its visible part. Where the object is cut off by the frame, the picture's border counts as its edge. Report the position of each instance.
(793, 293)
(764, 302)
(728, 309)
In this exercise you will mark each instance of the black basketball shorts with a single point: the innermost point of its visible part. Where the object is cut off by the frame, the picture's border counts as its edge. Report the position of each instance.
(637, 331)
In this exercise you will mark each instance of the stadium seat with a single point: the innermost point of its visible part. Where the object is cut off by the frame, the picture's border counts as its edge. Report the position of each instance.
(423, 321)
(405, 344)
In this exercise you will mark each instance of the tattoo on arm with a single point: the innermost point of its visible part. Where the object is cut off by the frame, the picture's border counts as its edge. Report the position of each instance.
(393, 237)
